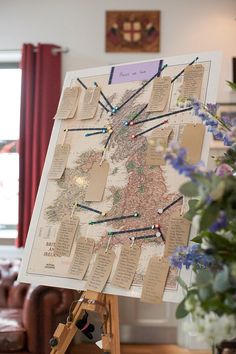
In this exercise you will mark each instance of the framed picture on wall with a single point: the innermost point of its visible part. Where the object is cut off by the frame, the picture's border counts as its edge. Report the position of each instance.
(226, 111)
(132, 31)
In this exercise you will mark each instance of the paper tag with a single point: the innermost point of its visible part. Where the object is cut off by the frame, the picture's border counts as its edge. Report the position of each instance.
(160, 94)
(159, 139)
(177, 235)
(192, 84)
(192, 141)
(82, 257)
(69, 103)
(97, 182)
(90, 103)
(134, 72)
(155, 280)
(65, 237)
(99, 344)
(101, 270)
(59, 161)
(126, 267)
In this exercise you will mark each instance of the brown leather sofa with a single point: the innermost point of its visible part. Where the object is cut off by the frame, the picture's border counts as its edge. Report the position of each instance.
(29, 314)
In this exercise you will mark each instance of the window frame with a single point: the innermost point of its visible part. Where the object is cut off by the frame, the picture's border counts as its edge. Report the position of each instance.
(9, 59)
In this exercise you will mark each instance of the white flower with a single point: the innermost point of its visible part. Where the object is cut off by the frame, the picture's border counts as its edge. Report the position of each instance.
(192, 303)
(213, 328)
(226, 234)
(206, 244)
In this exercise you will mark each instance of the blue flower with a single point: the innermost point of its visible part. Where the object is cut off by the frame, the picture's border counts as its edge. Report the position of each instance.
(190, 256)
(211, 129)
(220, 222)
(218, 135)
(177, 159)
(227, 141)
(227, 120)
(206, 113)
(212, 108)
(211, 122)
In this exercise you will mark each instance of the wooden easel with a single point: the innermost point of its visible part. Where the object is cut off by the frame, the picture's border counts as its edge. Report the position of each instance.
(106, 306)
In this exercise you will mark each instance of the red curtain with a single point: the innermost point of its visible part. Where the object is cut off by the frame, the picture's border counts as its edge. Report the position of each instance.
(40, 92)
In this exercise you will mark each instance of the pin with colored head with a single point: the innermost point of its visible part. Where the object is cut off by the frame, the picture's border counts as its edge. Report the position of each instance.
(156, 226)
(114, 109)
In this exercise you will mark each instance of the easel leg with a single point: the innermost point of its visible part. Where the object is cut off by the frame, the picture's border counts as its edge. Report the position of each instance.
(106, 306)
(113, 323)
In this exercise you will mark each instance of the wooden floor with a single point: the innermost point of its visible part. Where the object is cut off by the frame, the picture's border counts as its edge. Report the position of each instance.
(139, 349)
(157, 349)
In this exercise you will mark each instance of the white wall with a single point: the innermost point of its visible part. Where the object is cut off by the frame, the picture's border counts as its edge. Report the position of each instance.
(187, 26)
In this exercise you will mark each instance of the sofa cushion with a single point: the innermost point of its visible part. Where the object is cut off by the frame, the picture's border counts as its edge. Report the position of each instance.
(12, 332)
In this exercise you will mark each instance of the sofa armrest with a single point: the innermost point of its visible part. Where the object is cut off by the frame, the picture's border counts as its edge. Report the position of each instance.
(44, 308)
(17, 294)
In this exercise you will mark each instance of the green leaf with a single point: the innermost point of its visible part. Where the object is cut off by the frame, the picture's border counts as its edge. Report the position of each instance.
(221, 281)
(182, 283)
(181, 312)
(193, 203)
(203, 278)
(189, 215)
(232, 85)
(201, 179)
(205, 293)
(215, 304)
(192, 209)
(218, 192)
(197, 239)
(189, 189)
(209, 215)
(220, 242)
(230, 301)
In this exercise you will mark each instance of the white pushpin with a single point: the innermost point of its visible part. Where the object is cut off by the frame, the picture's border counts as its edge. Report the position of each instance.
(132, 241)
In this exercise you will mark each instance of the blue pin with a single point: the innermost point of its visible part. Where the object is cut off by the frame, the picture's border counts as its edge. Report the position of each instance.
(103, 131)
(114, 109)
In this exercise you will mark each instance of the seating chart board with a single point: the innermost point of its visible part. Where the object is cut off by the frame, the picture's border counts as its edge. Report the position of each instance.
(108, 211)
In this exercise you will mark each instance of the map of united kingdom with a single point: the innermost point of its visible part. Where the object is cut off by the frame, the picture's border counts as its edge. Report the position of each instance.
(135, 187)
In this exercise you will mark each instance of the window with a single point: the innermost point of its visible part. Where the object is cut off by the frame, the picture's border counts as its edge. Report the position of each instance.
(10, 88)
